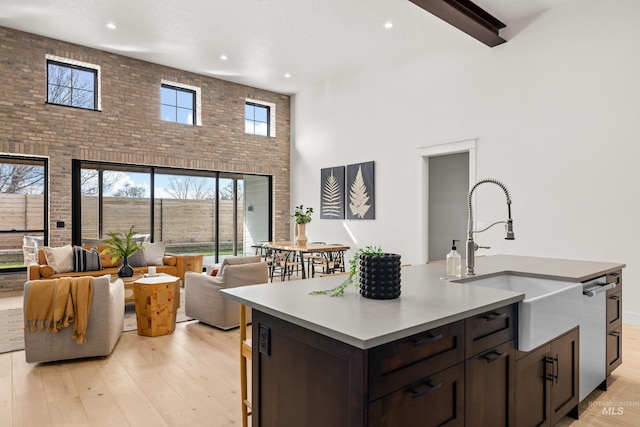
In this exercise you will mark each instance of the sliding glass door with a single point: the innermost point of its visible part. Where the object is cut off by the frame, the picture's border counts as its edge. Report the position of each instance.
(191, 211)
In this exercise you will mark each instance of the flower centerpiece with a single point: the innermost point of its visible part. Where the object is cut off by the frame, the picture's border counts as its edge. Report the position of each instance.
(122, 245)
(302, 217)
(376, 273)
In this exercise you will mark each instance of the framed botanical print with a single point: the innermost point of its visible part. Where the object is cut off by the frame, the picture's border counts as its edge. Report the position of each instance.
(360, 191)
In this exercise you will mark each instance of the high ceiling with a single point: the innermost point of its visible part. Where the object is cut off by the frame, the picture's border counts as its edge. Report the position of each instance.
(263, 40)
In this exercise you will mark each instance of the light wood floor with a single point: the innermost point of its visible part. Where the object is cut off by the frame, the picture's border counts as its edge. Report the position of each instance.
(191, 378)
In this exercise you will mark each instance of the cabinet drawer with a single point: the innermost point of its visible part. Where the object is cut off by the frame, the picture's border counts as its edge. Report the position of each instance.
(434, 401)
(615, 277)
(614, 310)
(490, 329)
(396, 364)
(614, 349)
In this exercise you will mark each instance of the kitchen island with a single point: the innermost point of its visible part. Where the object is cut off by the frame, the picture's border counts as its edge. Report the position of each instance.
(442, 352)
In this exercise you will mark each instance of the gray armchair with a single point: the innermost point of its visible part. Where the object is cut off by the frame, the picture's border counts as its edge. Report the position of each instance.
(202, 292)
(104, 327)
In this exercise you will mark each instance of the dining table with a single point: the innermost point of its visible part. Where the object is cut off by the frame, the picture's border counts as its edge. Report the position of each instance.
(301, 250)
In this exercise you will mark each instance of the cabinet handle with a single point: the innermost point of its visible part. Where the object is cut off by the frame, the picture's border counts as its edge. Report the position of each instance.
(430, 387)
(493, 355)
(493, 316)
(427, 340)
(615, 297)
(548, 360)
(555, 368)
(614, 333)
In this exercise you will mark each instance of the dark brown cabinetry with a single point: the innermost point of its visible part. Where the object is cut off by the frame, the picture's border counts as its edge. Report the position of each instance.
(446, 375)
(489, 382)
(489, 368)
(614, 322)
(546, 381)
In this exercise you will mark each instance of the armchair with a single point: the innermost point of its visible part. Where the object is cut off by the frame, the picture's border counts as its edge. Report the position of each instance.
(104, 327)
(202, 292)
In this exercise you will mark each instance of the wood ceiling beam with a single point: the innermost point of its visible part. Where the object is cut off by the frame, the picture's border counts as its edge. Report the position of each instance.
(467, 17)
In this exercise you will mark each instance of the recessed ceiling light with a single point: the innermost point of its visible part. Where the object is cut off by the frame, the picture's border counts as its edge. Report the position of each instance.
(224, 57)
(388, 24)
(287, 75)
(111, 26)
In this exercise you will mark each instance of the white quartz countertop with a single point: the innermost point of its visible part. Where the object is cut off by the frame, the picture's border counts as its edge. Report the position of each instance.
(426, 300)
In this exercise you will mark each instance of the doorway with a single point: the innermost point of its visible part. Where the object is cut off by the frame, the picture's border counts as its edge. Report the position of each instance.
(447, 172)
(448, 216)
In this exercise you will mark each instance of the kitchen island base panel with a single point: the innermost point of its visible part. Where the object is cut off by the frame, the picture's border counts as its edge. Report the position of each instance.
(306, 376)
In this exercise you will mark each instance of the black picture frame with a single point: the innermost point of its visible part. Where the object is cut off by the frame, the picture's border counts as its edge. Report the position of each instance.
(332, 193)
(360, 191)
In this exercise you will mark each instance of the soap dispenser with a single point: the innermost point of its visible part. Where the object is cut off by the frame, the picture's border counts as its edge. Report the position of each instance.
(454, 263)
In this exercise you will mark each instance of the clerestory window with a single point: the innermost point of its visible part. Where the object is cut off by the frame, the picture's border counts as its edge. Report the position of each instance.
(72, 85)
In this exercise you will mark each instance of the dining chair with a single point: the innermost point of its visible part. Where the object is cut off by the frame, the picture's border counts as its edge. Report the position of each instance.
(315, 259)
(245, 354)
(289, 262)
(338, 260)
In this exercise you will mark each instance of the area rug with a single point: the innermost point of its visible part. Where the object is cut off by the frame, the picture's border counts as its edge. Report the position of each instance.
(12, 325)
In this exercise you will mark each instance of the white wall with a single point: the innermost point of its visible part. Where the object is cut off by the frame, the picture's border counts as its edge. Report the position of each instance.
(556, 113)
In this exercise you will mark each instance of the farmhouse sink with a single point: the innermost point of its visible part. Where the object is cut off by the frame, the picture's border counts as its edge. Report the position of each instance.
(549, 308)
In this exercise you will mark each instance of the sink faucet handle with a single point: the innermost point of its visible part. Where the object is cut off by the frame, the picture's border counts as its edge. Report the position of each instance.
(482, 247)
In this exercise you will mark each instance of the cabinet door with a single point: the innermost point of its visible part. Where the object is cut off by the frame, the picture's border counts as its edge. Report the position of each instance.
(533, 384)
(614, 349)
(564, 388)
(489, 382)
(434, 401)
(614, 309)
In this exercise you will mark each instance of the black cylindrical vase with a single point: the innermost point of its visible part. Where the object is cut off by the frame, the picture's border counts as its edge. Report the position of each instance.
(380, 276)
(125, 269)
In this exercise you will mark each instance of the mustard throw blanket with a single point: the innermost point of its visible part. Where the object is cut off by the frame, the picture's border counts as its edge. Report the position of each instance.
(56, 303)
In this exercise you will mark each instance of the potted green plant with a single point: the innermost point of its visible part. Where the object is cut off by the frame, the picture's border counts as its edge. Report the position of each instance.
(122, 245)
(302, 217)
(376, 273)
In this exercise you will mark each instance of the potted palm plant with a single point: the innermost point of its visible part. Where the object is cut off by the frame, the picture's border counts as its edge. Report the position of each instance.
(122, 245)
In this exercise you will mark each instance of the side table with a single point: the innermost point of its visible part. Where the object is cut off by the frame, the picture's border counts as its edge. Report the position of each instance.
(157, 300)
(129, 296)
(191, 262)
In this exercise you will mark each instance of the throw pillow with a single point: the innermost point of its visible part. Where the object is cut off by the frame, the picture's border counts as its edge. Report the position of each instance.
(60, 259)
(153, 253)
(46, 271)
(137, 259)
(86, 260)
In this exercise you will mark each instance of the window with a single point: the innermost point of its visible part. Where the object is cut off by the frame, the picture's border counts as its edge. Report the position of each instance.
(256, 119)
(215, 213)
(177, 104)
(23, 210)
(72, 85)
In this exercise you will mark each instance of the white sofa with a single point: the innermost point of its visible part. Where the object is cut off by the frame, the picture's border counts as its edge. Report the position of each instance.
(202, 292)
(104, 327)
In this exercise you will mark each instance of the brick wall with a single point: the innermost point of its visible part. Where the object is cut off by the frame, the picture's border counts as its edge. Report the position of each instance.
(128, 128)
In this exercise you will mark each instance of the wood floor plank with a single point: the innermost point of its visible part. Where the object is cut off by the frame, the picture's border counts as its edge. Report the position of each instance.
(6, 388)
(196, 382)
(100, 404)
(29, 397)
(63, 400)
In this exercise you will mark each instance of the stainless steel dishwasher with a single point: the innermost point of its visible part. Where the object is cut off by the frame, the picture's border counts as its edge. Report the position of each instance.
(593, 334)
